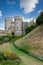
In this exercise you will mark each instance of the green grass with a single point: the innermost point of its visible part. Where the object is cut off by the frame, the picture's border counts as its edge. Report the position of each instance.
(25, 58)
(9, 63)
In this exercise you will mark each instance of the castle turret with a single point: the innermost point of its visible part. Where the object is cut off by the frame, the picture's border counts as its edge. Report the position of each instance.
(18, 25)
(9, 25)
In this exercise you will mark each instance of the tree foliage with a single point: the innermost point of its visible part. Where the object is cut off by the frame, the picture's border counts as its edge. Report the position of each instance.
(29, 29)
(39, 19)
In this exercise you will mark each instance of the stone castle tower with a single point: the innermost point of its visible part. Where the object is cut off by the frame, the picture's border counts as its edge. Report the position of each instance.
(14, 26)
(18, 25)
(9, 25)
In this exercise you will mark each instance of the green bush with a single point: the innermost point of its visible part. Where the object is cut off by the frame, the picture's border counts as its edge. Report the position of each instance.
(39, 19)
(29, 29)
(1, 56)
(24, 47)
(13, 38)
(9, 56)
(10, 38)
(4, 39)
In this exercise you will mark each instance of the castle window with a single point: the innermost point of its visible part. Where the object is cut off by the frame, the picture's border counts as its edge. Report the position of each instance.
(17, 27)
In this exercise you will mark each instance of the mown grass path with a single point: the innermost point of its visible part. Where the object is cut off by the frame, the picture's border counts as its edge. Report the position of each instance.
(25, 58)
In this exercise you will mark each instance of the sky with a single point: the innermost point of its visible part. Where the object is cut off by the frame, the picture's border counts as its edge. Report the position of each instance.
(28, 9)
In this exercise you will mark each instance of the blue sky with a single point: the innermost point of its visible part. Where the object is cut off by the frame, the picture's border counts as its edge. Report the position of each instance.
(28, 9)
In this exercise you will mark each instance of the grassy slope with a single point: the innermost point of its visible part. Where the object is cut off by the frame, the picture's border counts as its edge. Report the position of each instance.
(8, 63)
(26, 59)
(33, 40)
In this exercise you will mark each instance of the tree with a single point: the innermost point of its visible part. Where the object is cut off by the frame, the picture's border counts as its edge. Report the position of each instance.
(29, 29)
(39, 19)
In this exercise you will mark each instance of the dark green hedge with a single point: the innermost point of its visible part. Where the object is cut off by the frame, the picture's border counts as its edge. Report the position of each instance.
(29, 29)
(39, 19)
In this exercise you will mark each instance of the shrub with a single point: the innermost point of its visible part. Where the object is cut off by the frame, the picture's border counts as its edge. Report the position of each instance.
(8, 60)
(11, 38)
(1, 56)
(4, 39)
(29, 29)
(9, 56)
(39, 19)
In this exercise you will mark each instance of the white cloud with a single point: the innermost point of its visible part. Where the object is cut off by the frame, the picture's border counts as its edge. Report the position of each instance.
(28, 5)
(39, 11)
(0, 13)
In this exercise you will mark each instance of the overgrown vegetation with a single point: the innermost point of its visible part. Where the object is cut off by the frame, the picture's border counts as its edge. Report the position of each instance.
(39, 19)
(8, 57)
(13, 38)
(24, 48)
(10, 38)
(4, 39)
(29, 29)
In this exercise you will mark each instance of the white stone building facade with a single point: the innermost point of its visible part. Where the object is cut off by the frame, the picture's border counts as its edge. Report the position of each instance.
(17, 26)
